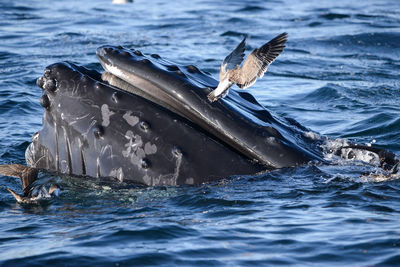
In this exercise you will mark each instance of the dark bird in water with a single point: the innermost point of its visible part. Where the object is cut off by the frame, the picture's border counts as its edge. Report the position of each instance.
(28, 176)
(255, 65)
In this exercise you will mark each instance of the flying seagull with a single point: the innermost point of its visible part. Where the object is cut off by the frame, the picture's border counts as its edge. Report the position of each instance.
(255, 65)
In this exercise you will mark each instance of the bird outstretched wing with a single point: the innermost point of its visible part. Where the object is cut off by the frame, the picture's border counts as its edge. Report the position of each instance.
(256, 64)
(234, 59)
(27, 174)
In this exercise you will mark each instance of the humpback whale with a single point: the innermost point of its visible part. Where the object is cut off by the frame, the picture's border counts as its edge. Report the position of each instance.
(148, 121)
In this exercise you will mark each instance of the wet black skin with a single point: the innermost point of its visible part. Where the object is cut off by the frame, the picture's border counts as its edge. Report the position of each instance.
(164, 133)
(174, 135)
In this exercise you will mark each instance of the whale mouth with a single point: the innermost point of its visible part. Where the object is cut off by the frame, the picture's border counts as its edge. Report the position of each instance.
(132, 71)
(121, 70)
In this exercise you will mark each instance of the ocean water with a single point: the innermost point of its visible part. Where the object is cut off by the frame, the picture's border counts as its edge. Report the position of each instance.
(338, 76)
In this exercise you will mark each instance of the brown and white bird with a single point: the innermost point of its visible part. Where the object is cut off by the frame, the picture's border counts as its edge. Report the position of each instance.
(255, 65)
(28, 176)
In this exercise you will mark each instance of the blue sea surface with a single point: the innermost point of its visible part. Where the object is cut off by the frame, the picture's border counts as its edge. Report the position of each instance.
(338, 76)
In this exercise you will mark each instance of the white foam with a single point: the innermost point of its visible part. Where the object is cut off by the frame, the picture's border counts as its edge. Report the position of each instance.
(333, 150)
(378, 176)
